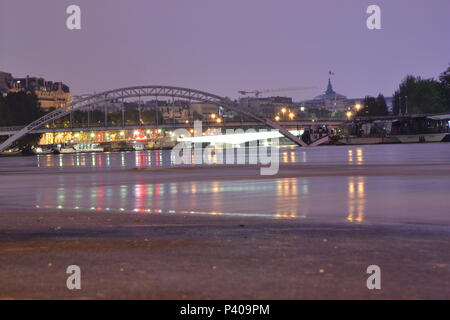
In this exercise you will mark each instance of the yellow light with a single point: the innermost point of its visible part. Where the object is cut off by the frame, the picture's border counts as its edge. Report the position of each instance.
(219, 120)
(277, 118)
(191, 131)
(357, 107)
(92, 135)
(213, 116)
(291, 115)
(283, 110)
(187, 121)
(349, 114)
(122, 133)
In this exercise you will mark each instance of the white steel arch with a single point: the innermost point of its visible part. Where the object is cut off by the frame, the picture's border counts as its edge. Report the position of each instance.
(142, 91)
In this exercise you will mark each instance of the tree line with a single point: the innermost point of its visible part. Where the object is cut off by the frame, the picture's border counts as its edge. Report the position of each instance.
(415, 95)
(422, 96)
(19, 108)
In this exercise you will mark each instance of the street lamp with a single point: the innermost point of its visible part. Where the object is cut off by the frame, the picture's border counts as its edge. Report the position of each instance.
(277, 118)
(357, 107)
(291, 116)
(283, 110)
(349, 114)
(406, 105)
(219, 120)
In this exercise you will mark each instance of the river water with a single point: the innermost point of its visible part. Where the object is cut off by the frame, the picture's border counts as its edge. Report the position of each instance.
(110, 182)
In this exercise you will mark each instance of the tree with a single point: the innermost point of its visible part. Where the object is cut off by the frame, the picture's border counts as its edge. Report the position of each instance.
(338, 114)
(374, 106)
(382, 109)
(149, 117)
(19, 109)
(444, 78)
(419, 96)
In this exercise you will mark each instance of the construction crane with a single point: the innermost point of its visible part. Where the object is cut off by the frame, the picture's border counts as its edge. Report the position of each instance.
(257, 93)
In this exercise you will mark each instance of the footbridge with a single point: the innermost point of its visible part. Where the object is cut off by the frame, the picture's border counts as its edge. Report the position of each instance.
(191, 95)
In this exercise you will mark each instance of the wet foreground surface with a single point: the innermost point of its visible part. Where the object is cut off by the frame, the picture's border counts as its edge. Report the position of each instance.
(191, 257)
(139, 228)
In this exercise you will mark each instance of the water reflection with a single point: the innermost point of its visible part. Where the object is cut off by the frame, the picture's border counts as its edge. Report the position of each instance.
(280, 198)
(355, 156)
(286, 191)
(356, 199)
(151, 159)
(143, 159)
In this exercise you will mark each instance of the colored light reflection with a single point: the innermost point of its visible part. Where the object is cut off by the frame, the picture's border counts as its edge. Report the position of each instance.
(356, 199)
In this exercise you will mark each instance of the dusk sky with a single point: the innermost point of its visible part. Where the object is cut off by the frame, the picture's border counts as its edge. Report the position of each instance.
(222, 46)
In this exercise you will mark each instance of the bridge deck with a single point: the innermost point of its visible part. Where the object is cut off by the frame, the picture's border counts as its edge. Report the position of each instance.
(4, 131)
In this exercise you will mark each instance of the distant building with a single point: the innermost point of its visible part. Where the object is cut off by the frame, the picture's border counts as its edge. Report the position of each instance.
(50, 94)
(333, 101)
(268, 107)
(203, 110)
(330, 100)
(177, 111)
(6, 81)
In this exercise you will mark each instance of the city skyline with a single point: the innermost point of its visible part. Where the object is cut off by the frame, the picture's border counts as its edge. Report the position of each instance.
(226, 47)
(226, 157)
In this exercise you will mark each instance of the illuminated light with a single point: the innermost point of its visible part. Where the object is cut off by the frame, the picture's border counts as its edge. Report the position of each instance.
(92, 135)
(357, 107)
(213, 116)
(236, 138)
(349, 114)
(302, 109)
(283, 110)
(277, 118)
(122, 133)
(219, 120)
(191, 131)
(136, 132)
(159, 130)
(187, 121)
(148, 131)
(291, 115)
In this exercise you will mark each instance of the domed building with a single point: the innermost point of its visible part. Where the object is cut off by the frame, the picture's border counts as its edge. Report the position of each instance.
(330, 100)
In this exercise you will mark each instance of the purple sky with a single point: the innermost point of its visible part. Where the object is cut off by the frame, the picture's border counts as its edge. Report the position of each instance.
(222, 46)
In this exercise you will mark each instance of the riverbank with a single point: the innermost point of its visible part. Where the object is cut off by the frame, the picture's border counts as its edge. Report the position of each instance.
(139, 256)
(140, 228)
